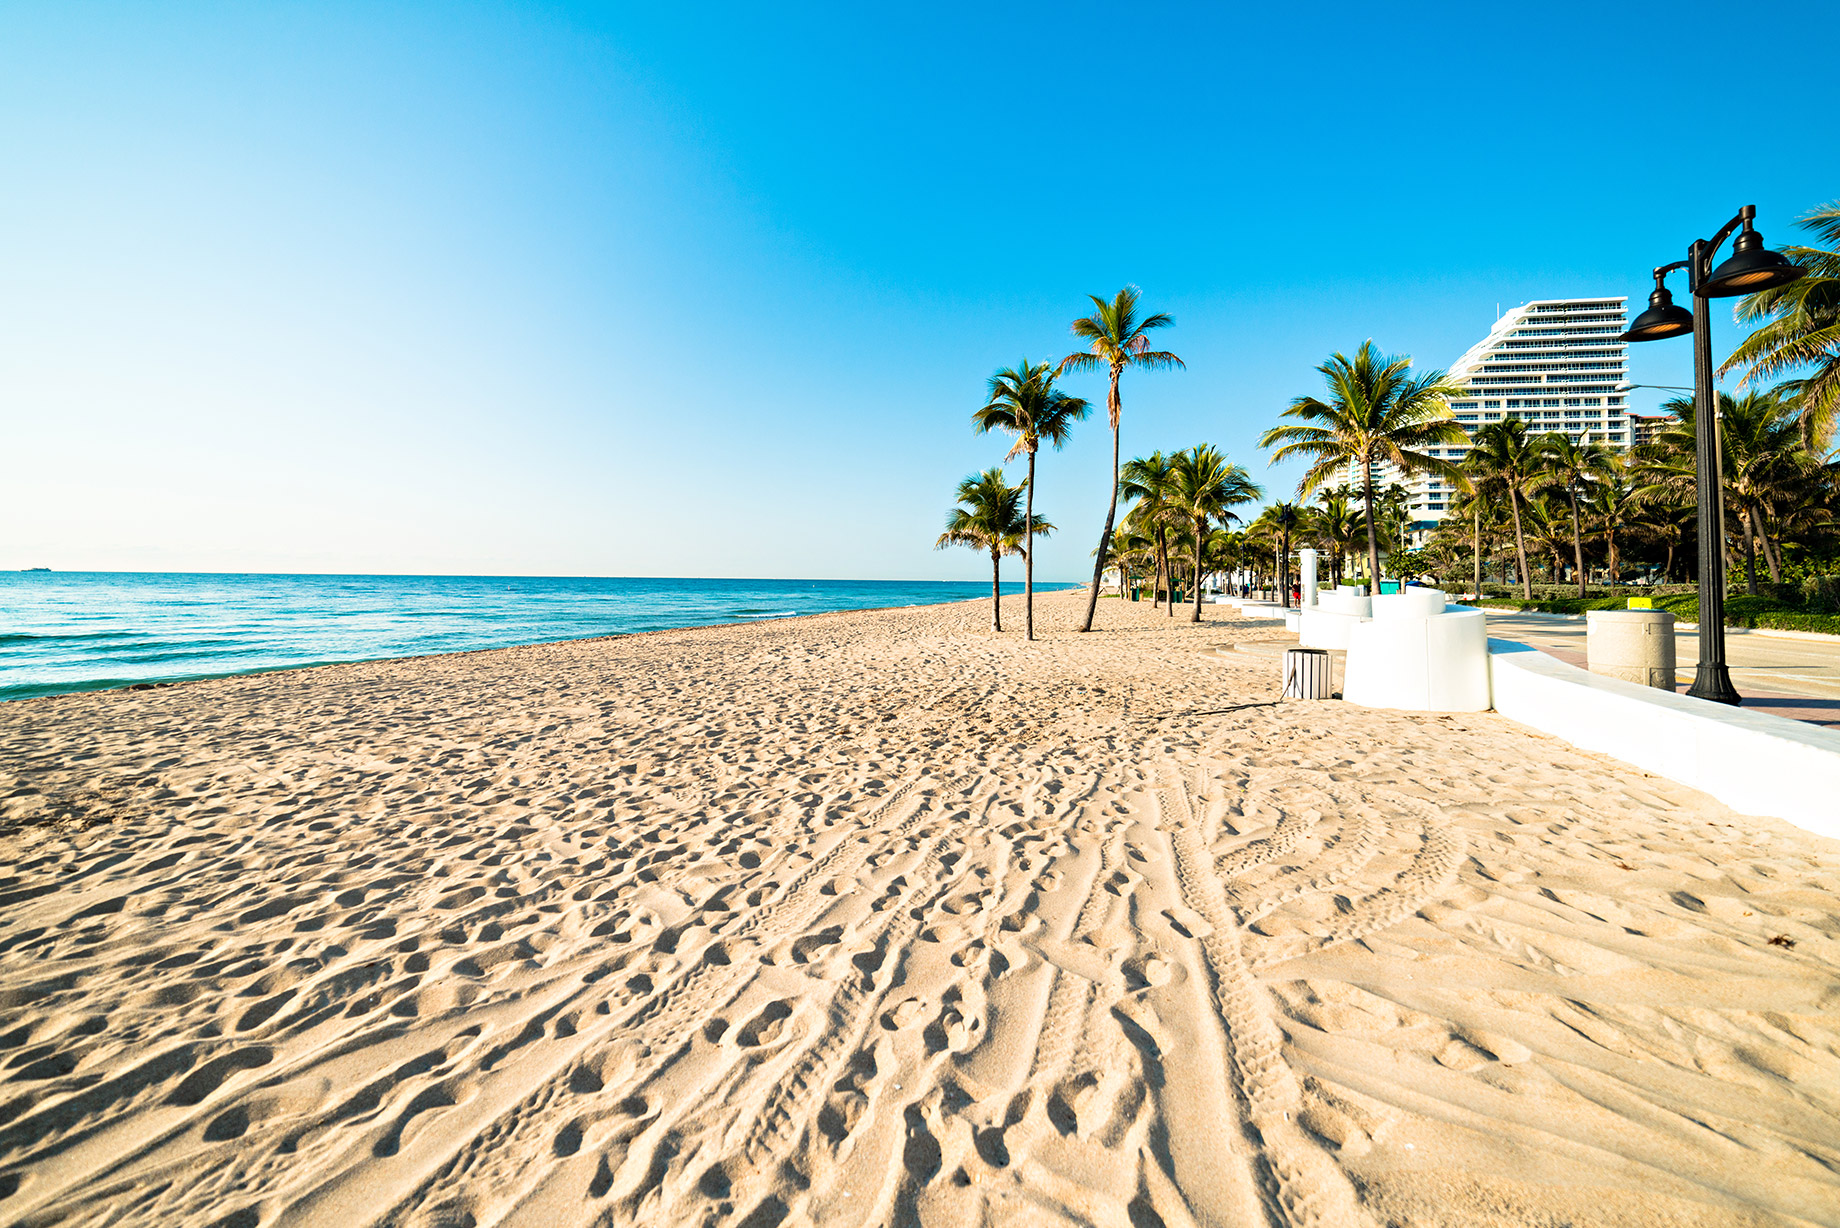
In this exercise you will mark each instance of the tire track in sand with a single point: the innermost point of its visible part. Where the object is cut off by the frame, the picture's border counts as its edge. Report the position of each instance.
(1305, 1188)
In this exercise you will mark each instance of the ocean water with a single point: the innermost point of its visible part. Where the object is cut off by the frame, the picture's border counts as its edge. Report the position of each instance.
(79, 631)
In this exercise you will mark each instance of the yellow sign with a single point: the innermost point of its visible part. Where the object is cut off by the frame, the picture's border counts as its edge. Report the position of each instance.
(1641, 603)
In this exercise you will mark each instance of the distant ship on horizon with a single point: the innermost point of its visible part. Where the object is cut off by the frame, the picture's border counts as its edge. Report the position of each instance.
(35, 569)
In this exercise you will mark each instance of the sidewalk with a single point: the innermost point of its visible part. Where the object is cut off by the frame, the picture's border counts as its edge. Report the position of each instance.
(1797, 679)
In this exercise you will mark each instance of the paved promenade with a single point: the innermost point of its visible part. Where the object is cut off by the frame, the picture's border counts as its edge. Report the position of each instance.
(1796, 678)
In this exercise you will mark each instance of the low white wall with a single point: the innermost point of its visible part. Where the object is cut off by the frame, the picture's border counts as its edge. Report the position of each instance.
(1753, 762)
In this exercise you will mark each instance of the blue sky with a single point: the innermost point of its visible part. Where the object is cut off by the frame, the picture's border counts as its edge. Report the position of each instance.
(712, 290)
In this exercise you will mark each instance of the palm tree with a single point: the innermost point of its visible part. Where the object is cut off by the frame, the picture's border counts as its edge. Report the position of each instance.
(989, 518)
(1470, 504)
(1766, 466)
(1225, 551)
(1116, 339)
(1800, 328)
(1377, 413)
(1285, 519)
(1395, 504)
(1546, 526)
(1508, 461)
(1024, 401)
(1576, 469)
(1614, 511)
(1129, 551)
(1337, 524)
(1150, 483)
(1208, 487)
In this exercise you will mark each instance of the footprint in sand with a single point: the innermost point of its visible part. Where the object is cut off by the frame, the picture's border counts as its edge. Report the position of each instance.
(1147, 971)
(903, 1014)
(765, 1028)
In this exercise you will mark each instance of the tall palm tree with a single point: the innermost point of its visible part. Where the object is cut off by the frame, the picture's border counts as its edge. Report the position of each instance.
(1377, 413)
(1509, 461)
(1208, 487)
(1575, 470)
(989, 517)
(1150, 483)
(1800, 328)
(1116, 338)
(1024, 401)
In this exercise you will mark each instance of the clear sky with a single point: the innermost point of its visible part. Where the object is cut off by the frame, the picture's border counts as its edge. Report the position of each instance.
(712, 290)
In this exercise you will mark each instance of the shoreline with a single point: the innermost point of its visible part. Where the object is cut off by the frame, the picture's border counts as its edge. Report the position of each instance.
(878, 918)
(732, 621)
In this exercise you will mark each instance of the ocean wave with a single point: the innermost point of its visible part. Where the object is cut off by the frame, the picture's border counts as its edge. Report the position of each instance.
(762, 613)
(30, 637)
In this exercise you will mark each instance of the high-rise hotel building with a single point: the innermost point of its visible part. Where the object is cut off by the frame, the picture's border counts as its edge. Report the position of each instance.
(1555, 364)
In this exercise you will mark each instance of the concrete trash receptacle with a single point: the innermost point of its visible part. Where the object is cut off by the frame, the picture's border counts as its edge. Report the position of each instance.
(1307, 674)
(1632, 645)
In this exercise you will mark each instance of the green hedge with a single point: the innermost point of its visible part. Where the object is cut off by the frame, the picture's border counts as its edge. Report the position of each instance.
(1767, 613)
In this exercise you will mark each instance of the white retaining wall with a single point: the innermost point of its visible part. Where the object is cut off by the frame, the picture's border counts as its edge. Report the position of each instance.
(1751, 761)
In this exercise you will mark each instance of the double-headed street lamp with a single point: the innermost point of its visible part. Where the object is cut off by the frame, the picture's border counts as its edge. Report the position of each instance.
(1750, 268)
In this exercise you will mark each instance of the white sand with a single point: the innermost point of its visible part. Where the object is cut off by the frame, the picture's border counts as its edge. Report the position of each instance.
(876, 918)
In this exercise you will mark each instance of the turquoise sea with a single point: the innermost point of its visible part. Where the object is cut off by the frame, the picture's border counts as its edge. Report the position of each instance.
(80, 631)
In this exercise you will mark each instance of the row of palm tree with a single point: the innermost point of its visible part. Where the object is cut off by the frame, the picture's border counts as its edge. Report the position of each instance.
(1377, 415)
(1179, 497)
(1023, 401)
(1778, 476)
(1547, 489)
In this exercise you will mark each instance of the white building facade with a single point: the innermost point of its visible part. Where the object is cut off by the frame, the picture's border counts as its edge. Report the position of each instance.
(1555, 364)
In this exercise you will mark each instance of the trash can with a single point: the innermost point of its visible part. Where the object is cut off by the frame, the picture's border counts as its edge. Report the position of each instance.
(1307, 674)
(1633, 645)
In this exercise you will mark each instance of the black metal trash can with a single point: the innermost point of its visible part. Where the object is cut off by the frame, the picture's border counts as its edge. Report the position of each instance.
(1308, 674)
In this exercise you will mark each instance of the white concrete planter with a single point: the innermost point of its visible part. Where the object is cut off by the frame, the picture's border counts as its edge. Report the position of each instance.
(1417, 654)
(1321, 628)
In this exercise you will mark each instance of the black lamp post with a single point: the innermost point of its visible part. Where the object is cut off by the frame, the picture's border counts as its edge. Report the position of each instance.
(1751, 267)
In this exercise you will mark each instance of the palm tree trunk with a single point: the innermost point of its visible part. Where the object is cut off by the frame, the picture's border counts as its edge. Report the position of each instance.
(1578, 545)
(1028, 557)
(1772, 551)
(1373, 542)
(1111, 508)
(1200, 532)
(1476, 547)
(1750, 551)
(1169, 570)
(1162, 569)
(1520, 546)
(1284, 567)
(996, 592)
(1610, 547)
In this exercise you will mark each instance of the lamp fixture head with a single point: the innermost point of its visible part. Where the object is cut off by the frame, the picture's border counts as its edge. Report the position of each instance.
(1662, 319)
(1751, 267)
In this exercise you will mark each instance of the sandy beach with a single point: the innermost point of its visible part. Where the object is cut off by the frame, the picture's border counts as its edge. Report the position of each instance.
(877, 918)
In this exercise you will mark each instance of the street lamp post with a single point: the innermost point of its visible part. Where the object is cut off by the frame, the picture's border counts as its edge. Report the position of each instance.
(1751, 267)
